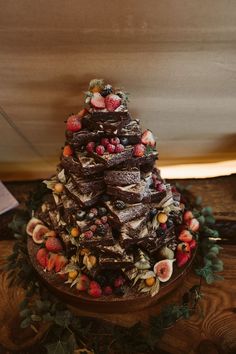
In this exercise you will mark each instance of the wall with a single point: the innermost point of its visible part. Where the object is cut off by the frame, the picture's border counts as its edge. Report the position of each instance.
(177, 58)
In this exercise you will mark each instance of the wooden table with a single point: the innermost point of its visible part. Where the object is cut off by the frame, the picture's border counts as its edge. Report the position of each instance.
(212, 329)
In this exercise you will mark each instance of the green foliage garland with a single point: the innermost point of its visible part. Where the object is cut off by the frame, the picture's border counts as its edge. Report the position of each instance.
(67, 333)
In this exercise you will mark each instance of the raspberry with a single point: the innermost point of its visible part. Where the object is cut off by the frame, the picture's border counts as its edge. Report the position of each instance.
(94, 289)
(107, 290)
(119, 282)
(111, 148)
(104, 219)
(119, 148)
(100, 150)
(93, 228)
(88, 234)
(101, 230)
(94, 211)
(105, 141)
(98, 222)
(115, 141)
(90, 147)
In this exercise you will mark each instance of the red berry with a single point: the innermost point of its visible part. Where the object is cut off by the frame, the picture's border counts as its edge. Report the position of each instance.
(139, 150)
(163, 226)
(188, 215)
(98, 222)
(148, 138)
(111, 148)
(51, 261)
(100, 150)
(94, 211)
(53, 244)
(42, 257)
(107, 290)
(192, 244)
(67, 151)
(94, 290)
(105, 141)
(73, 123)
(88, 234)
(185, 236)
(97, 101)
(60, 262)
(119, 148)
(104, 219)
(112, 102)
(93, 228)
(115, 140)
(90, 147)
(119, 282)
(181, 258)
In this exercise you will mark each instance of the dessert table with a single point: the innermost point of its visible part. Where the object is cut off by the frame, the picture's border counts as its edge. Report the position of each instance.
(211, 329)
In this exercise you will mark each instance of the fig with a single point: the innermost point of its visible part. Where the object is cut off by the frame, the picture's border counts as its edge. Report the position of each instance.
(164, 269)
(39, 233)
(31, 225)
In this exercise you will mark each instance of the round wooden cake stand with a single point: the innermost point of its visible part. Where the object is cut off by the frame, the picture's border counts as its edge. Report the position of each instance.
(125, 310)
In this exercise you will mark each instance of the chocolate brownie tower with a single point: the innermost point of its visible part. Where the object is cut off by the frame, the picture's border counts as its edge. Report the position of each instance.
(109, 205)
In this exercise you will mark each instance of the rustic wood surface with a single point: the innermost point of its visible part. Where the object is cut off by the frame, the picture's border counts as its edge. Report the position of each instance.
(176, 58)
(212, 329)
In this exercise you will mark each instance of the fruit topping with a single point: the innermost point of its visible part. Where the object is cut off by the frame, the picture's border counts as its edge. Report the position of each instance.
(124, 141)
(100, 150)
(58, 188)
(80, 215)
(83, 283)
(60, 262)
(150, 281)
(139, 150)
(192, 244)
(105, 141)
(181, 258)
(164, 269)
(106, 90)
(185, 236)
(97, 101)
(72, 274)
(107, 290)
(102, 211)
(39, 233)
(67, 151)
(74, 232)
(101, 230)
(94, 211)
(188, 215)
(183, 247)
(162, 218)
(112, 102)
(51, 261)
(111, 148)
(88, 234)
(119, 282)
(193, 225)
(119, 148)
(96, 85)
(90, 147)
(94, 289)
(42, 257)
(73, 123)
(53, 244)
(148, 138)
(119, 204)
(115, 141)
(104, 219)
(31, 225)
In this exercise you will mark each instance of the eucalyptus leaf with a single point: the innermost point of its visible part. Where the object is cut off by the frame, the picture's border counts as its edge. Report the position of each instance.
(25, 323)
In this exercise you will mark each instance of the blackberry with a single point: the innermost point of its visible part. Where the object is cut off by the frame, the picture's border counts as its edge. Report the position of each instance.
(90, 216)
(101, 279)
(169, 223)
(119, 204)
(119, 291)
(160, 232)
(101, 230)
(102, 211)
(153, 212)
(107, 90)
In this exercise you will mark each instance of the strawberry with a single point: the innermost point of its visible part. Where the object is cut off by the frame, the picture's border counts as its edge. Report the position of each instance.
(192, 244)
(53, 244)
(67, 151)
(111, 148)
(119, 148)
(83, 283)
(60, 262)
(97, 101)
(185, 236)
(42, 257)
(90, 147)
(181, 258)
(73, 123)
(100, 150)
(188, 215)
(139, 150)
(94, 289)
(51, 261)
(112, 102)
(193, 225)
(148, 138)
(107, 290)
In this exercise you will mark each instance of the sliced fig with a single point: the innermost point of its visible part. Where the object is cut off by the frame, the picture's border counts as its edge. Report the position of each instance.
(39, 233)
(31, 225)
(164, 269)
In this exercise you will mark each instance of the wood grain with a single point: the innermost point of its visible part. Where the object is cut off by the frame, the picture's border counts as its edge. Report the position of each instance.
(177, 59)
